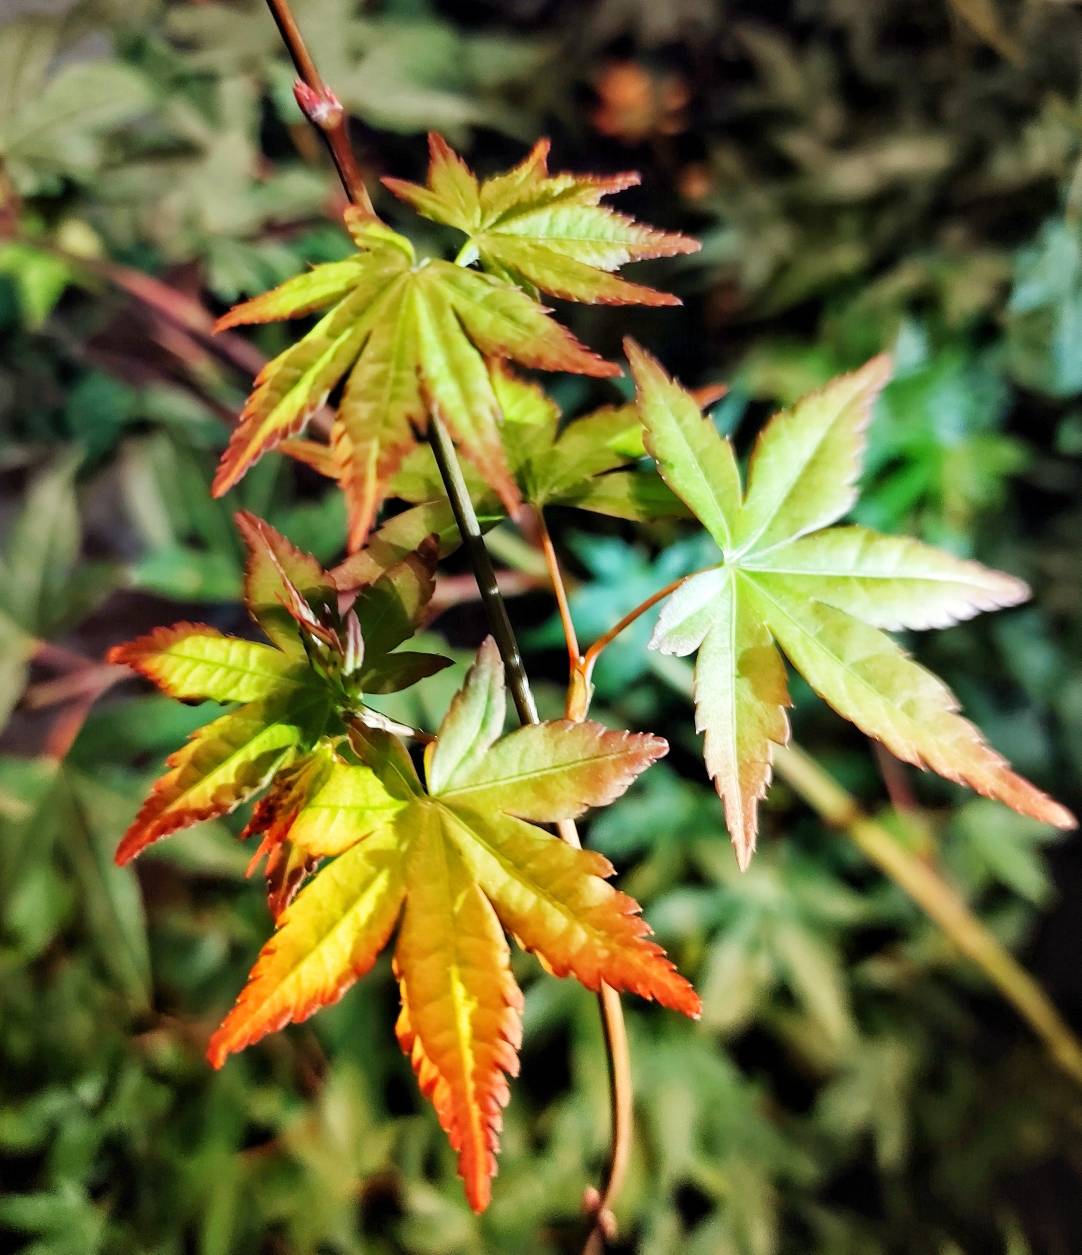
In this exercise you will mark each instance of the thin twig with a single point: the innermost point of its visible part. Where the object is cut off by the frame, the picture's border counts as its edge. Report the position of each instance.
(322, 107)
(599, 1203)
(591, 656)
(552, 565)
(622, 1118)
(319, 105)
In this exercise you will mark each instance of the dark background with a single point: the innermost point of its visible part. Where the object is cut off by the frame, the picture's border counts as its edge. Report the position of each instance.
(896, 175)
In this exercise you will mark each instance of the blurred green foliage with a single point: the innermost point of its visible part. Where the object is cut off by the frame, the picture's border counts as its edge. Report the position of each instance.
(901, 175)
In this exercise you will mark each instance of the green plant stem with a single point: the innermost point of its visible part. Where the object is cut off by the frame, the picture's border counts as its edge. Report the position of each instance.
(939, 900)
(335, 131)
(491, 598)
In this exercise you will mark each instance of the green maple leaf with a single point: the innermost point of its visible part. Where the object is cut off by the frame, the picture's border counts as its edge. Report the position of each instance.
(460, 858)
(413, 338)
(334, 639)
(588, 464)
(546, 232)
(410, 338)
(821, 593)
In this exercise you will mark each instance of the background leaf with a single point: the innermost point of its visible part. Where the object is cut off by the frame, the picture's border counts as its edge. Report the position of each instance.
(864, 178)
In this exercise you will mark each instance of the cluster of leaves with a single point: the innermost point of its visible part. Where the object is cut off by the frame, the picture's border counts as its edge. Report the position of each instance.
(426, 338)
(456, 856)
(838, 1021)
(113, 1137)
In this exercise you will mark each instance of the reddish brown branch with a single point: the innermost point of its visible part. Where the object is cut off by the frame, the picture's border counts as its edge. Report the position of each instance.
(321, 107)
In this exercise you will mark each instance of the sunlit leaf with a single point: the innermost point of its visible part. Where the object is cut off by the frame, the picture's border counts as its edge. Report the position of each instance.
(460, 1022)
(409, 339)
(547, 232)
(822, 595)
(194, 662)
(463, 862)
(328, 937)
(306, 687)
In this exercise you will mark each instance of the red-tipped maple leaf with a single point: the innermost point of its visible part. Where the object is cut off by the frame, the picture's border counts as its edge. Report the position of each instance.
(788, 578)
(546, 232)
(591, 463)
(410, 338)
(460, 857)
(333, 641)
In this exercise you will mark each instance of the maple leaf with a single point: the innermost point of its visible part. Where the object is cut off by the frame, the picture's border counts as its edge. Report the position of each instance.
(333, 640)
(821, 593)
(589, 464)
(461, 859)
(547, 232)
(410, 338)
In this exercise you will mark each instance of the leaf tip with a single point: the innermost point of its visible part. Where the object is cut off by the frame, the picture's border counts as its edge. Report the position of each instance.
(879, 367)
(870, 380)
(217, 1053)
(438, 147)
(132, 843)
(250, 527)
(642, 362)
(744, 848)
(539, 153)
(1059, 816)
(229, 473)
(478, 1192)
(659, 298)
(681, 243)
(488, 654)
(117, 655)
